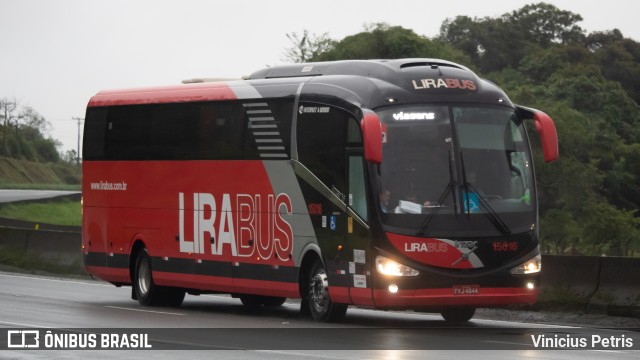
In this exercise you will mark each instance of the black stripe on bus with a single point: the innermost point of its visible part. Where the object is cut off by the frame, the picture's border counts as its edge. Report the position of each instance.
(119, 261)
(263, 272)
(226, 269)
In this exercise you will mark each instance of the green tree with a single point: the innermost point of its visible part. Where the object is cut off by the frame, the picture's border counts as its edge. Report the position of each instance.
(540, 65)
(610, 231)
(24, 133)
(491, 44)
(8, 115)
(619, 59)
(496, 43)
(587, 90)
(545, 25)
(305, 47)
(382, 41)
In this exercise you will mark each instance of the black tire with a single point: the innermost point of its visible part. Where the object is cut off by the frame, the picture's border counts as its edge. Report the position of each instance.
(317, 297)
(273, 301)
(254, 301)
(458, 315)
(173, 297)
(146, 291)
(250, 301)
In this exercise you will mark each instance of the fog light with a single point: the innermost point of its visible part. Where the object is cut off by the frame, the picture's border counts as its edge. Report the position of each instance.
(393, 288)
(530, 286)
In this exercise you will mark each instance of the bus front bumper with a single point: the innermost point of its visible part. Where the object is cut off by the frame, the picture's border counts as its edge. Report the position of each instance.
(468, 296)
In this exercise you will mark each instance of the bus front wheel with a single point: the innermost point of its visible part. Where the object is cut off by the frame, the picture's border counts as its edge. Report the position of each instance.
(458, 315)
(319, 303)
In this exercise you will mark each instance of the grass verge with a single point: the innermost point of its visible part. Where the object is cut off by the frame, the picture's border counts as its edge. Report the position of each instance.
(63, 212)
(29, 186)
(15, 261)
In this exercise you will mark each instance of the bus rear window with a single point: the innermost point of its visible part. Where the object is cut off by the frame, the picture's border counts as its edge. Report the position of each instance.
(94, 134)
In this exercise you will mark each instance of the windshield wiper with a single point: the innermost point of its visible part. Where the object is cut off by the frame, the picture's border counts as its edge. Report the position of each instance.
(451, 186)
(484, 204)
(488, 210)
(446, 192)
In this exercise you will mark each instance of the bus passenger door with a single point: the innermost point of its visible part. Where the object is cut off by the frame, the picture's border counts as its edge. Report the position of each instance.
(357, 235)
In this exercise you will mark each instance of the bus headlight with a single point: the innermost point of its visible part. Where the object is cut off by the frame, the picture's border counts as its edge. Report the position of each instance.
(389, 267)
(530, 267)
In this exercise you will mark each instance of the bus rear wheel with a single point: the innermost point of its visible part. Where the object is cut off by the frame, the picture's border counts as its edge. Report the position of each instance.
(146, 291)
(458, 315)
(317, 297)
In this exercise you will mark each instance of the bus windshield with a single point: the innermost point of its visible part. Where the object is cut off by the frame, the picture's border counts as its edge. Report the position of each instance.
(462, 170)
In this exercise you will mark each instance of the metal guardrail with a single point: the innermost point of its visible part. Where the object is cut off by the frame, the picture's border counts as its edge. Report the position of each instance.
(612, 283)
(51, 247)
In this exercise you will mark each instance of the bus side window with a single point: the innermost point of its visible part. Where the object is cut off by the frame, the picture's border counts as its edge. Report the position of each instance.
(321, 144)
(127, 132)
(220, 134)
(171, 132)
(354, 133)
(357, 191)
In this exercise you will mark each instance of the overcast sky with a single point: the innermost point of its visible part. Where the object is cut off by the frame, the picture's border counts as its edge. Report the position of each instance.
(54, 55)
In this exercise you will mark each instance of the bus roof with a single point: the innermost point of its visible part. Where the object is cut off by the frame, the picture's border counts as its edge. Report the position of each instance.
(378, 69)
(363, 83)
(165, 94)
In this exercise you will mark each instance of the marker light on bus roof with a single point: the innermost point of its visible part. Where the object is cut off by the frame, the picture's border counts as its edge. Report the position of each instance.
(389, 267)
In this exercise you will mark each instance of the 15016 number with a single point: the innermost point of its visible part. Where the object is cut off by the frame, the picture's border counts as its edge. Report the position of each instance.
(505, 246)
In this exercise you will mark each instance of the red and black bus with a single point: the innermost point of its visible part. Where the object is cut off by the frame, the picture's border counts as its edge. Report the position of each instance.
(391, 184)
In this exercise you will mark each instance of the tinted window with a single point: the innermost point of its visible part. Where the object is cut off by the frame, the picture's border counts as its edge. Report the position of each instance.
(94, 131)
(357, 189)
(322, 139)
(127, 132)
(189, 131)
(171, 131)
(221, 130)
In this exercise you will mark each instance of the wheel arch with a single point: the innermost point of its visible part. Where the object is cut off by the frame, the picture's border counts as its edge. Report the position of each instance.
(311, 254)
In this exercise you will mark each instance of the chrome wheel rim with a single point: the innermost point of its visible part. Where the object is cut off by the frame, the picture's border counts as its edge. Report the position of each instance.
(319, 292)
(144, 276)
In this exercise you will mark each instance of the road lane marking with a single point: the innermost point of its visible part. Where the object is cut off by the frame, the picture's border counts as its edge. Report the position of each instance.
(25, 325)
(507, 343)
(147, 311)
(309, 355)
(88, 282)
(530, 325)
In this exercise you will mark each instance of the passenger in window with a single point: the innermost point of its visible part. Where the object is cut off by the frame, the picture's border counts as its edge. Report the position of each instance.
(385, 197)
(412, 198)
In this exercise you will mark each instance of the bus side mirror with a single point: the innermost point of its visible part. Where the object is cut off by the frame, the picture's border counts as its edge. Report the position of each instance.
(372, 137)
(548, 136)
(547, 131)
